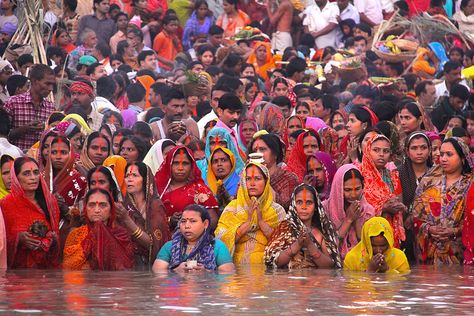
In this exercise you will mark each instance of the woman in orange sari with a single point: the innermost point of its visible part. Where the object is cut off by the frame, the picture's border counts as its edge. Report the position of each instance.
(31, 216)
(262, 59)
(232, 20)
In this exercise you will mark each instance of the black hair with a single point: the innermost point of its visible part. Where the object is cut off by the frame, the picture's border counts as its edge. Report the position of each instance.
(295, 65)
(194, 63)
(168, 19)
(24, 59)
(95, 135)
(14, 82)
(142, 146)
(465, 164)
(460, 132)
(106, 87)
(91, 68)
(104, 49)
(458, 50)
(39, 194)
(119, 15)
(451, 65)
(171, 94)
(231, 102)
(410, 107)
(55, 117)
(203, 213)
(39, 71)
(136, 92)
(144, 54)
(115, 114)
(296, 133)
(398, 67)
(330, 102)
(463, 120)
(362, 115)
(71, 4)
(282, 101)
(5, 122)
(153, 114)
(142, 170)
(4, 159)
(385, 110)
(77, 109)
(315, 220)
(459, 91)
(280, 80)
(142, 129)
(121, 47)
(421, 87)
(274, 143)
(419, 135)
(215, 30)
(364, 28)
(59, 139)
(410, 80)
(354, 174)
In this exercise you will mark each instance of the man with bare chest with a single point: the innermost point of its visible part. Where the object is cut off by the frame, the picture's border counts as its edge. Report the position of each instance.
(280, 13)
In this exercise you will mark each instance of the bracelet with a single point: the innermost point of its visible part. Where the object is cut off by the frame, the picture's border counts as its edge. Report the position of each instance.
(138, 233)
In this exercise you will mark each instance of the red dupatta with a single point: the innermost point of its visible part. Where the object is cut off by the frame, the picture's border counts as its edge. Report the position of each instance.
(377, 192)
(297, 159)
(19, 214)
(194, 192)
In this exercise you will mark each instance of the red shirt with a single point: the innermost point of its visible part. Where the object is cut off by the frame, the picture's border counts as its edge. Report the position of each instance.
(164, 47)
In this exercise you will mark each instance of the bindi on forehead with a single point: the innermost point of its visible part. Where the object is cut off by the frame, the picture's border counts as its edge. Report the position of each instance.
(305, 195)
(132, 169)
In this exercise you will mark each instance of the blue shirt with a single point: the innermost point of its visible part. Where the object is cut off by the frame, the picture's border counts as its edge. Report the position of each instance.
(221, 253)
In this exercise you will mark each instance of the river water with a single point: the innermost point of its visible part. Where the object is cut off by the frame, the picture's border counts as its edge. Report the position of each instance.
(426, 290)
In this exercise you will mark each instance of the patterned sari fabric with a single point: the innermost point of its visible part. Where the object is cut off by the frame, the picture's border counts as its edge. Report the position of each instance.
(359, 258)
(68, 182)
(291, 229)
(380, 187)
(118, 165)
(271, 119)
(283, 182)
(297, 159)
(250, 247)
(152, 220)
(269, 64)
(99, 246)
(335, 209)
(468, 228)
(194, 192)
(437, 204)
(285, 131)
(329, 172)
(230, 183)
(20, 214)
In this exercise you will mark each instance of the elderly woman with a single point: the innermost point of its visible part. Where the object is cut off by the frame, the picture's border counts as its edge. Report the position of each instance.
(375, 252)
(306, 239)
(100, 244)
(440, 203)
(248, 221)
(193, 248)
(31, 216)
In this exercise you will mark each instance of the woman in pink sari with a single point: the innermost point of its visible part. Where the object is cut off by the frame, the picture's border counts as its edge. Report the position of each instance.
(347, 208)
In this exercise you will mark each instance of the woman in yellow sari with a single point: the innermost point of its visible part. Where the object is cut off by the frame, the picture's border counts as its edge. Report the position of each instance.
(262, 59)
(375, 251)
(248, 221)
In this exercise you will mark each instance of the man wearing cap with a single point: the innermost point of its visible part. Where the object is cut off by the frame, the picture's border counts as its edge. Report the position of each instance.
(8, 6)
(29, 111)
(6, 70)
(84, 62)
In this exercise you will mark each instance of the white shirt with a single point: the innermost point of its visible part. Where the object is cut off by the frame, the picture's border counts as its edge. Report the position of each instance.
(442, 90)
(371, 8)
(350, 12)
(102, 104)
(317, 19)
(6, 148)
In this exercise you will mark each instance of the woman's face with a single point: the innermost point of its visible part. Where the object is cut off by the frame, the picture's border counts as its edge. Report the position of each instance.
(99, 181)
(353, 190)
(129, 151)
(217, 141)
(418, 150)
(261, 53)
(192, 101)
(354, 126)
(454, 122)
(379, 244)
(133, 180)
(435, 153)
(291, 143)
(337, 119)
(192, 226)
(259, 146)
(46, 145)
(59, 155)
(248, 129)
(98, 150)
(302, 112)
(6, 176)
(207, 58)
(76, 142)
(115, 64)
(449, 159)
(310, 145)
(294, 124)
(469, 8)
(98, 208)
(228, 8)
(221, 165)
(202, 11)
(305, 203)
(316, 169)
(366, 139)
(280, 90)
(454, 55)
(63, 39)
(29, 176)
(408, 121)
(248, 72)
(250, 93)
(255, 181)
(181, 167)
(470, 127)
(380, 153)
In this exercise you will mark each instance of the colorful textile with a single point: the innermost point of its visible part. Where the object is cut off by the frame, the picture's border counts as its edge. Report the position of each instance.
(250, 247)
(283, 182)
(297, 159)
(194, 192)
(262, 70)
(291, 229)
(380, 187)
(117, 164)
(271, 119)
(335, 208)
(19, 214)
(468, 228)
(233, 25)
(330, 169)
(3, 190)
(193, 29)
(359, 258)
(231, 182)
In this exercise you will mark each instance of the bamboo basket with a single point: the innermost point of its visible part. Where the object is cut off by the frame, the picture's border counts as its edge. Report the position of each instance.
(395, 58)
(350, 74)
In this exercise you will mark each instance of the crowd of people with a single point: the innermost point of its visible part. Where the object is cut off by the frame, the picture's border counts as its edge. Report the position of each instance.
(201, 135)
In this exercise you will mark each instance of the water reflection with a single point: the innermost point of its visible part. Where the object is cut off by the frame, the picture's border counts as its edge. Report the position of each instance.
(251, 290)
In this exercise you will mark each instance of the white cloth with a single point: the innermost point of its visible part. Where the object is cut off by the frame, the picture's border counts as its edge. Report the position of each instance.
(371, 8)
(204, 120)
(281, 40)
(317, 19)
(6, 148)
(11, 18)
(102, 104)
(387, 5)
(442, 90)
(350, 12)
(154, 158)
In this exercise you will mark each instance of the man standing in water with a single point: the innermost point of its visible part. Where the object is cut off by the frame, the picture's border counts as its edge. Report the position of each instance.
(280, 14)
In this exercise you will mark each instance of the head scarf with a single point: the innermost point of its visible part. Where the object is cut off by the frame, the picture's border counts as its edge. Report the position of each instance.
(63, 178)
(335, 208)
(373, 117)
(82, 88)
(129, 117)
(377, 191)
(358, 259)
(297, 158)
(3, 190)
(315, 123)
(235, 214)
(330, 140)
(146, 81)
(83, 125)
(269, 64)
(231, 182)
(223, 134)
(271, 119)
(85, 161)
(154, 158)
(202, 252)
(285, 131)
(282, 240)
(118, 165)
(241, 137)
(330, 169)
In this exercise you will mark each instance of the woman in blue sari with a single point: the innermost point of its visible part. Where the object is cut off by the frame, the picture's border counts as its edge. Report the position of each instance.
(198, 24)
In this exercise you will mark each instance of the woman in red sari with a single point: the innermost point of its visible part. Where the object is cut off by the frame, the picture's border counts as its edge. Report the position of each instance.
(179, 184)
(60, 172)
(307, 144)
(31, 216)
(100, 244)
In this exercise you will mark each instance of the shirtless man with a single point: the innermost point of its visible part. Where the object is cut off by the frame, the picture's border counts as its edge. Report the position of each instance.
(280, 15)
